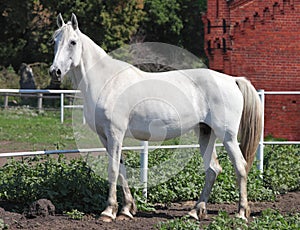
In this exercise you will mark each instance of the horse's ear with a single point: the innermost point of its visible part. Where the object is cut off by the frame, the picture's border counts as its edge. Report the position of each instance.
(74, 21)
(60, 21)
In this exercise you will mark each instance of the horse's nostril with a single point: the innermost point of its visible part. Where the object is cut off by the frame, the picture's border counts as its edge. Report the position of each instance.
(58, 72)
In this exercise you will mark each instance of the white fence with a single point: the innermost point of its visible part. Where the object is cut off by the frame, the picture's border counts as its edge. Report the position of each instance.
(262, 143)
(39, 94)
(144, 145)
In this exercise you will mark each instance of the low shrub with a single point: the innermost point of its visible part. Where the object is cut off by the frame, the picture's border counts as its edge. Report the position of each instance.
(282, 168)
(69, 185)
(72, 184)
(188, 183)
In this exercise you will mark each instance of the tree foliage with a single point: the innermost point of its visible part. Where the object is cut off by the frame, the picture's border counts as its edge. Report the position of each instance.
(163, 21)
(24, 32)
(120, 22)
(27, 26)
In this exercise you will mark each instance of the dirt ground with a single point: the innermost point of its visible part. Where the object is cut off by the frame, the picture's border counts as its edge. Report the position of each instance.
(287, 203)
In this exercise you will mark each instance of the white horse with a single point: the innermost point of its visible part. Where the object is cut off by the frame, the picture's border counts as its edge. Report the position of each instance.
(121, 101)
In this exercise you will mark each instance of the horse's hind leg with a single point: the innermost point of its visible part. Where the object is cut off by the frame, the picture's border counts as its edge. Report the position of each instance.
(207, 140)
(239, 163)
(129, 207)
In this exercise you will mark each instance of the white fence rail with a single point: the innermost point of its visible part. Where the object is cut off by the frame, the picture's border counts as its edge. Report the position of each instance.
(144, 146)
(39, 94)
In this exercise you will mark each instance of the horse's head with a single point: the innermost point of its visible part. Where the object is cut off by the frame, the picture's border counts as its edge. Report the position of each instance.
(67, 49)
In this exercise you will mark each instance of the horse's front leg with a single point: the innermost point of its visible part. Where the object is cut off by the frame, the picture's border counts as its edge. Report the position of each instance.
(129, 207)
(114, 147)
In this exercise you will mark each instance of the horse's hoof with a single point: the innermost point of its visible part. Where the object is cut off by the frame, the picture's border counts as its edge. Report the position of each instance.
(123, 217)
(193, 214)
(241, 217)
(203, 215)
(106, 219)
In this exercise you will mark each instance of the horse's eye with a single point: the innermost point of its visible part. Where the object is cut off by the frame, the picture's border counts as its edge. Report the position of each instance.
(73, 43)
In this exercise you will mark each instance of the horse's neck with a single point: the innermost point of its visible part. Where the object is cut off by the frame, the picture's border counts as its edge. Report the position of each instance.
(91, 58)
(91, 53)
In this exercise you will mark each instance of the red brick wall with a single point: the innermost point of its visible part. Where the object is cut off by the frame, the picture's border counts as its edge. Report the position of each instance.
(262, 43)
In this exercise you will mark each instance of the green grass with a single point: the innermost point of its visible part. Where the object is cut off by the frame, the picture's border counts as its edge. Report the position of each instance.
(30, 130)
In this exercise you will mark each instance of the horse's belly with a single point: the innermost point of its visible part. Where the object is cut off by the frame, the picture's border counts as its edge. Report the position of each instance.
(160, 122)
(156, 130)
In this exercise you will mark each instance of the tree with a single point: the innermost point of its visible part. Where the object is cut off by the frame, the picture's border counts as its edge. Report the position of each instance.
(24, 32)
(27, 26)
(120, 20)
(176, 22)
(162, 22)
(88, 14)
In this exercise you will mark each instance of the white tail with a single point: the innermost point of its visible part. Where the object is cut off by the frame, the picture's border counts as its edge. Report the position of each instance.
(251, 121)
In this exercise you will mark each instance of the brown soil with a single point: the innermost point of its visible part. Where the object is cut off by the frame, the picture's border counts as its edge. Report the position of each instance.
(288, 203)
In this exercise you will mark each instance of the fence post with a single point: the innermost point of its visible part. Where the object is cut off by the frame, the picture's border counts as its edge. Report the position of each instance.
(62, 108)
(144, 167)
(40, 101)
(260, 150)
(83, 117)
(5, 100)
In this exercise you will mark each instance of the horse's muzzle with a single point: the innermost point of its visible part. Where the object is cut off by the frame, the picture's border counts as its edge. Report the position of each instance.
(55, 73)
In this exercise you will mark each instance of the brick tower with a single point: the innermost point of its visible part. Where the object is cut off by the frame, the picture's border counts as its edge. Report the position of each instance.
(260, 39)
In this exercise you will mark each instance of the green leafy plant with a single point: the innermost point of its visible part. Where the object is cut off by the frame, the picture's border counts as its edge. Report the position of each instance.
(179, 224)
(282, 168)
(269, 219)
(272, 219)
(68, 184)
(74, 214)
(141, 201)
(187, 184)
(3, 226)
(224, 222)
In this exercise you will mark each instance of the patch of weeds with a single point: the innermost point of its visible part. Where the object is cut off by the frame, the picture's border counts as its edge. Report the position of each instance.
(3, 226)
(269, 219)
(74, 214)
(224, 222)
(281, 173)
(272, 219)
(179, 224)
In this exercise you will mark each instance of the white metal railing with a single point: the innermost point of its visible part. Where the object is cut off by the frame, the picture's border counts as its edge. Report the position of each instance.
(262, 143)
(144, 148)
(39, 93)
